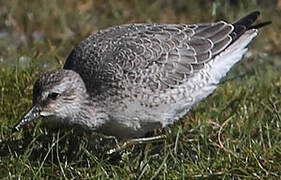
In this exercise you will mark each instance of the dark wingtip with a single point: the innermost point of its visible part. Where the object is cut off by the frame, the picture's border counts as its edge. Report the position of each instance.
(247, 20)
(245, 23)
(257, 26)
(255, 13)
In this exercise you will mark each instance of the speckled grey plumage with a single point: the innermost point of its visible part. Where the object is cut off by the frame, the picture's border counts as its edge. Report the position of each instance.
(128, 80)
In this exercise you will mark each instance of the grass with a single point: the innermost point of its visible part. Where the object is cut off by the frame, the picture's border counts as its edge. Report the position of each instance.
(233, 134)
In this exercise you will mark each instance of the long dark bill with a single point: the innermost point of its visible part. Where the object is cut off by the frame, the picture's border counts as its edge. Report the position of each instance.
(32, 114)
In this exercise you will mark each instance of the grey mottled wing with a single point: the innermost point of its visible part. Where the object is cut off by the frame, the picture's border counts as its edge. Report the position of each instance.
(149, 55)
(173, 53)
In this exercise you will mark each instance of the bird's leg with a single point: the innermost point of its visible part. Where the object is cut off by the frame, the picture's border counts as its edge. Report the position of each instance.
(107, 137)
(136, 141)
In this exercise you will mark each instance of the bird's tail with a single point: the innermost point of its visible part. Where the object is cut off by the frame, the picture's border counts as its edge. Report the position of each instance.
(246, 23)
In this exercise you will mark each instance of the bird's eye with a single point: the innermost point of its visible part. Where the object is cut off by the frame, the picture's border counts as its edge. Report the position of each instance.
(53, 95)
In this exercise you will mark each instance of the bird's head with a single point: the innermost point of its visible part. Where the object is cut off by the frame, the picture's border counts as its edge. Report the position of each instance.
(58, 95)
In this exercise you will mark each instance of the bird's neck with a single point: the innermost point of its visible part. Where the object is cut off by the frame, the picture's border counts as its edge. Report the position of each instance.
(90, 114)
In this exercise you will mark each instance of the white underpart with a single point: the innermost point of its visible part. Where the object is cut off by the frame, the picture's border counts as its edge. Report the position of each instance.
(234, 53)
(137, 120)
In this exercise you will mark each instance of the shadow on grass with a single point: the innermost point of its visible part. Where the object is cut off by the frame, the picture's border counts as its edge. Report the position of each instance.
(54, 147)
(58, 147)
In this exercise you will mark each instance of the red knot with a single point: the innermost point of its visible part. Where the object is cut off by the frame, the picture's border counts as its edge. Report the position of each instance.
(128, 80)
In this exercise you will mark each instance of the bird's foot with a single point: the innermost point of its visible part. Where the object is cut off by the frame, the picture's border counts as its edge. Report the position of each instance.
(136, 141)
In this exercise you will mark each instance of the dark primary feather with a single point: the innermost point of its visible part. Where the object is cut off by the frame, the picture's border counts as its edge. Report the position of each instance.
(243, 24)
(152, 56)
